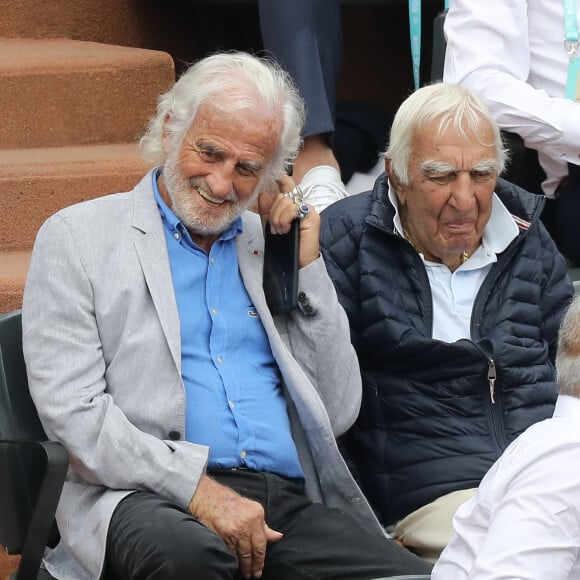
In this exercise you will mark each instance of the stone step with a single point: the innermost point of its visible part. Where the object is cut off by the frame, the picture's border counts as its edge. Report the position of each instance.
(71, 92)
(13, 268)
(166, 26)
(125, 22)
(35, 183)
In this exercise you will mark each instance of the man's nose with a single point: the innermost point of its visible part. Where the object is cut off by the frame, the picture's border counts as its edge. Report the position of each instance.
(463, 192)
(221, 179)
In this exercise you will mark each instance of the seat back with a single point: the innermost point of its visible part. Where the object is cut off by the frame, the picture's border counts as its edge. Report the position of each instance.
(32, 469)
(18, 417)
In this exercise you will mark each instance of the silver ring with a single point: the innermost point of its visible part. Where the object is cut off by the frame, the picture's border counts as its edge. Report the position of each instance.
(295, 195)
(302, 211)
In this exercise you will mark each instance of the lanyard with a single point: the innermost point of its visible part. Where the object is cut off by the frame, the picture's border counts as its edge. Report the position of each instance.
(571, 45)
(415, 35)
(571, 28)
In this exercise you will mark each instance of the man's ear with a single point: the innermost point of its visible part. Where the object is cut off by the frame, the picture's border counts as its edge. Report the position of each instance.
(400, 190)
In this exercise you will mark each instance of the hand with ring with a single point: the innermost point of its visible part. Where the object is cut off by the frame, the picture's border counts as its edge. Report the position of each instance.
(295, 194)
(302, 211)
(280, 208)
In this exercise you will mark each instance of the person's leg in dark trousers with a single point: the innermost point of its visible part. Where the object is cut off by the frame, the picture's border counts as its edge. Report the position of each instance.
(568, 215)
(319, 542)
(150, 538)
(305, 37)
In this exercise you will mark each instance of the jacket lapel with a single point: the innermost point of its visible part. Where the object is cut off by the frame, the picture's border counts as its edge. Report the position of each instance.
(151, 248)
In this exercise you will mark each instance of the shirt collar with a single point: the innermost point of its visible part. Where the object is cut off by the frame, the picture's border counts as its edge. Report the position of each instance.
(566, 405)
(499, 232)
(174, 224)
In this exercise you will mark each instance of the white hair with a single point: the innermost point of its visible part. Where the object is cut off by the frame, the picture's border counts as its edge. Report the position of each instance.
(451, 105)
(228, 79)
(568, 355)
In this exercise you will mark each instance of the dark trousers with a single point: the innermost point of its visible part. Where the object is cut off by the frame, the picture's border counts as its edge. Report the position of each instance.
(150, 538)
(305, 37)
(567, 216)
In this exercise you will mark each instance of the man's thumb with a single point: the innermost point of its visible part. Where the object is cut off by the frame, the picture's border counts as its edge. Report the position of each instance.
(273, 535)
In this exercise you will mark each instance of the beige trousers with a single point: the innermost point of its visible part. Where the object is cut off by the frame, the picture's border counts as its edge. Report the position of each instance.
(428, 530)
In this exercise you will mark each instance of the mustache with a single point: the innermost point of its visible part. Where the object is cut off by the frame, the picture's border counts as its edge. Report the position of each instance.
(204, 188)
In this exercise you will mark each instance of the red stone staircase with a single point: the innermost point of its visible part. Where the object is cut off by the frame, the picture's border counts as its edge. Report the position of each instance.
(78, 82)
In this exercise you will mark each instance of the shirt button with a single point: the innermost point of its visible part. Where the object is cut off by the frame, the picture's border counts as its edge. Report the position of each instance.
(212, 260)
(176, 236)
(243, 454)
(213, 311)
(220, 359)
(231, 404)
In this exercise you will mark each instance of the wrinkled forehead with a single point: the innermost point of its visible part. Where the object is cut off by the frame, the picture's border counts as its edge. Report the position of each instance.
(242, 97)
(231, 112)
(441, 138)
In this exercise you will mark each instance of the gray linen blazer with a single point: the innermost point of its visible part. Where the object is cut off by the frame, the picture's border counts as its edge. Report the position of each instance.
(102, 345)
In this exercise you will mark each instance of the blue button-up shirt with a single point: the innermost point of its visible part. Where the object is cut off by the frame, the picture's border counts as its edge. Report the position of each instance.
(234, 403)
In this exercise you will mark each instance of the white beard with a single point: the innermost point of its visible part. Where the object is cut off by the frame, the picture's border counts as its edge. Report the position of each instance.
(195, 215)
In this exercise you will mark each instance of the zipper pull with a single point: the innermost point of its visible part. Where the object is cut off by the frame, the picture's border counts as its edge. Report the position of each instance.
(491, 376)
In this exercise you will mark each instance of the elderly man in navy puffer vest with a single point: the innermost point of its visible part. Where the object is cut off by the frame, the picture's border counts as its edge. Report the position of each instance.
(454, 291)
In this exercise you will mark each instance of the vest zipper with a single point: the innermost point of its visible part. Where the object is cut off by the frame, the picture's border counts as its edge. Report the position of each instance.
(495, 410)
(491, 376)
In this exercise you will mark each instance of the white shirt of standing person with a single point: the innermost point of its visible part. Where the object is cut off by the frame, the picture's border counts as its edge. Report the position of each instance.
(524, 522)
(512, 53)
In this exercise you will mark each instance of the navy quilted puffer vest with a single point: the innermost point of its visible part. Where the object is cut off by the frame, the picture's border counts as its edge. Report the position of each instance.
(428, 425)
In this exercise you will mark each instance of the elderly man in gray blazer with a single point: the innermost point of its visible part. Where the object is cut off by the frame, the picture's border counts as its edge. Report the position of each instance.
(200, 428)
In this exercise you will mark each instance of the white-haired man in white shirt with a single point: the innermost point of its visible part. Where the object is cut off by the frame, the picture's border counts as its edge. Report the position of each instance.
(524, 521)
